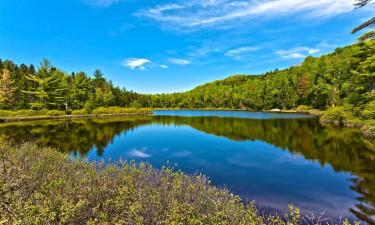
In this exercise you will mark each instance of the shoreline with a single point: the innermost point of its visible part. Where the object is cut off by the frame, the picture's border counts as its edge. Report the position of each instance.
(365, 130)
(63, 117)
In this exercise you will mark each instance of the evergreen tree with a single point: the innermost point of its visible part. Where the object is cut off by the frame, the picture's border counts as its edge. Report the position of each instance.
(369, 23)
(49, 89)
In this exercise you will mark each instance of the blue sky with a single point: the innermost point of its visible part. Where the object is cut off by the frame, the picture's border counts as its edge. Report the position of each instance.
(152, 46)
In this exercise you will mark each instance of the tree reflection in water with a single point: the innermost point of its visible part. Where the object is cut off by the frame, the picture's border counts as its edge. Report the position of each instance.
(343, 148)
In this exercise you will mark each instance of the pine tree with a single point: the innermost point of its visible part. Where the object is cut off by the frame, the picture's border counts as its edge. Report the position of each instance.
(6, 89)
(369, 23)
(49, 89)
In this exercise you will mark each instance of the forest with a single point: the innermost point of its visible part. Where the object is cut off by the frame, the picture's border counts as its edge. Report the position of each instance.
(341, 83)
(345, 77)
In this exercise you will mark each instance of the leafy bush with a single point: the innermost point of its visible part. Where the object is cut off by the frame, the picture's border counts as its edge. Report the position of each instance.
(80, 112)
(29, 113)
(369, 111)
(55, 113)
(303, 108)
(340, 114)
(119, 110)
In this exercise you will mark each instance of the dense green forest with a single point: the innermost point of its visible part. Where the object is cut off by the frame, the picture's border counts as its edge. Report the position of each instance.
(344, 78)
(25, 87)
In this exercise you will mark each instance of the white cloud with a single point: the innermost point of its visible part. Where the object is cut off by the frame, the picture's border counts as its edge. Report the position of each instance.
(101, 3)
(182, 62)
(198, 13)
(136, 63)
(163, 66)
(139, 153)
(297, 53)
(237, 53)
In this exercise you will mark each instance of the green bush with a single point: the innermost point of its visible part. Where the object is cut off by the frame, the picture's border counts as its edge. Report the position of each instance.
(369, 111)
(80, 112)
(55, 113)
(339, 114)
(303, 108)
(29, 113)
(119, 110)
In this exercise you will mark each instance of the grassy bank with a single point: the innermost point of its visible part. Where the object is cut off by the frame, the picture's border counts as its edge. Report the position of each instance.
(19, 115)
(42, 186)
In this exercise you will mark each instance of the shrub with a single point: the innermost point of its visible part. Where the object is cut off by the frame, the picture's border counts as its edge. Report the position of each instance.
(80, 112)
(54, 113)
(119, 110)
(369, 111)
(303, 108)
(338, 114)
(68, 112)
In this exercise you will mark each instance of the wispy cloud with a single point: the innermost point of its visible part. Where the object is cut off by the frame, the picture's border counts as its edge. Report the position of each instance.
(163, 66)
(200, 13)
(297, 53)
(136, 63)
(139, 153)
(101, 3)
(238, 53)
(182, 62)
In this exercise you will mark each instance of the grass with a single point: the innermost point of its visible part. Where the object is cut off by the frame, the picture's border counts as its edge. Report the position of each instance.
(39, 185)
(82, 112)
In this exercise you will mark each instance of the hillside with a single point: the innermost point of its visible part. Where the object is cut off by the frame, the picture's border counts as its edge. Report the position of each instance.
(345, 76)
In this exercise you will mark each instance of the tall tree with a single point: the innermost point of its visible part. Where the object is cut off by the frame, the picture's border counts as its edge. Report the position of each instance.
(49, 89)
(6, 89)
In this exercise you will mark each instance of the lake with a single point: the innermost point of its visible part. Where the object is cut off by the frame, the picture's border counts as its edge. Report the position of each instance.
(275, 159)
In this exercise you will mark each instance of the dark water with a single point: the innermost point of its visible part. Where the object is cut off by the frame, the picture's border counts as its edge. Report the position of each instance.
(274, 159)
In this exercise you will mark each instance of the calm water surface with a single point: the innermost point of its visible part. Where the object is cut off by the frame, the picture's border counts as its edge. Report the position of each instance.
(275, 159)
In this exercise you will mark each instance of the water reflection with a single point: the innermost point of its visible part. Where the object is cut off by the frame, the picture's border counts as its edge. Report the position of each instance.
(250, 156)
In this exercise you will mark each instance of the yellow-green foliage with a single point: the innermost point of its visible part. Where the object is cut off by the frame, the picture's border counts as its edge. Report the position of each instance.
(369, 111)
(119, 110)
(29, 113)
(79, 112)
(338, 114)
(303, 108)
(43, 186)
(45, 112)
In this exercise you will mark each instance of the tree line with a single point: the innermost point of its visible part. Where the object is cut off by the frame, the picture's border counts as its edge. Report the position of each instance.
(347, 76)
(47, 87)
(344, 77)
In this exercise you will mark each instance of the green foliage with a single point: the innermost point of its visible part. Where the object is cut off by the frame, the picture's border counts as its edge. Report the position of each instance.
(80, 112)
(338, 114)
(343, 77)
(46, 112)
(369, 111)
(119, 110)
(23, 87)
(303, 108)
(42, 186)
